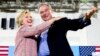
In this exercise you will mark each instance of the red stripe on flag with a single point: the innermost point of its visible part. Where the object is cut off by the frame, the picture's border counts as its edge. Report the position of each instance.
(3, 50)
(97, 48)
(4, 46)
(3, 54)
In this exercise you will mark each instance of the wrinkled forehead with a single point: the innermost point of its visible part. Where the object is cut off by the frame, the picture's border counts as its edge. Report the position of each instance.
(42, 7)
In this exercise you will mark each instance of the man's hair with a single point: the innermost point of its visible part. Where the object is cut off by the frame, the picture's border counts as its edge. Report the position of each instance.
(46, 4)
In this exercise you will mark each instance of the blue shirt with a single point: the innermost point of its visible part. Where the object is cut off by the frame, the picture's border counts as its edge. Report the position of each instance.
(43, 48)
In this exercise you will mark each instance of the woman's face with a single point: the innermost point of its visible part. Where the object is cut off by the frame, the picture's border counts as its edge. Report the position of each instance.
(27, 19)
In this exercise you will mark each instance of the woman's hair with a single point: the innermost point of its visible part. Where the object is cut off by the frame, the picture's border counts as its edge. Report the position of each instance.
(20, 17)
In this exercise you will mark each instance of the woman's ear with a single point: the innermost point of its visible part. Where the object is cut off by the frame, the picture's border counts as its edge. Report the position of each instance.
(21, 23)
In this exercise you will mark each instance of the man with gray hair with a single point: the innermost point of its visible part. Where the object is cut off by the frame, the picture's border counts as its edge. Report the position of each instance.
(53, 42)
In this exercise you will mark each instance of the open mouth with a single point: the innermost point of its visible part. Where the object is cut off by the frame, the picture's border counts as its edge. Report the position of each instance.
(29, 21)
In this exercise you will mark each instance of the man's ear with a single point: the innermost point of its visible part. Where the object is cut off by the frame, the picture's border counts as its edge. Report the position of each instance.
(51, 10)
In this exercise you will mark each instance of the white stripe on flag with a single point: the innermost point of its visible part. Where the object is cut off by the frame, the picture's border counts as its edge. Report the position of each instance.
(97, 48)
(4, 48)
(3, 52)
(95, 53)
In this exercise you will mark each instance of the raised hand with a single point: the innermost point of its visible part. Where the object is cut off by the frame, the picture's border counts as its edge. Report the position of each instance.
(90, 13)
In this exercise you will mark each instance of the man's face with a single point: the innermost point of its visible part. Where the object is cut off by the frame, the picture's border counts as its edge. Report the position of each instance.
(45, 12)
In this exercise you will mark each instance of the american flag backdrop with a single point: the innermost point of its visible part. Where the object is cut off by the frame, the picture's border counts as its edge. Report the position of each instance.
(4, 50)
(97, 48)
(77, 50)
(89, 50)
(7, 50)
(97, 53)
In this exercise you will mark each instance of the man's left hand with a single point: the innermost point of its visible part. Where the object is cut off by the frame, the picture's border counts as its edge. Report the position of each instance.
(90, 13)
